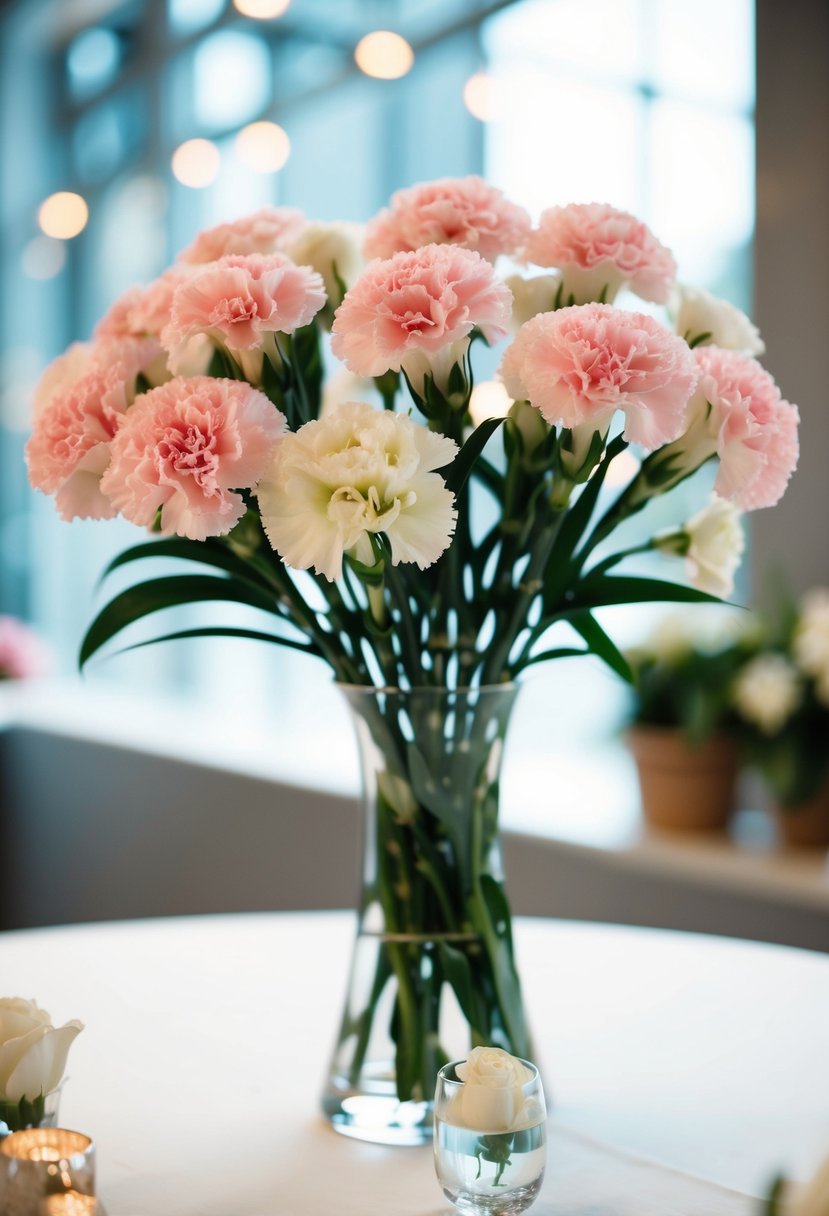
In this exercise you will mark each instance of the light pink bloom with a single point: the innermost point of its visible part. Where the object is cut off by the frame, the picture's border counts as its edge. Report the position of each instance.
(239, 300)
(22, 653)
(416, 310)
(69, 449)
(80, 402)
(458, 211)
(185, 447)
(599, 249)
(266, 231)
(757, 439)
(579, 365)
(143, 311)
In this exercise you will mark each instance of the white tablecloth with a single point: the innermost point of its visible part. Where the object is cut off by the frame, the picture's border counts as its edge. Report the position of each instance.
(684, 1070)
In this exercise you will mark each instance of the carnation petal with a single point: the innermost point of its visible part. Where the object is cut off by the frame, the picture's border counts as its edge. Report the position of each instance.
(423, 531)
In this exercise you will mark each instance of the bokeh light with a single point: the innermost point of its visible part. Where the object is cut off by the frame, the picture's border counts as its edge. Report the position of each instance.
(384, 55)
(63, 215)
(489, 400)
(480, 96)
(43, 258)
(263, 147)
(261, 10)
(196, 163)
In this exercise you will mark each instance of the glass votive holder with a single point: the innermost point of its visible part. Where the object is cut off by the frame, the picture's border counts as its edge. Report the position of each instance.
(485, 1170)
(47, 1171)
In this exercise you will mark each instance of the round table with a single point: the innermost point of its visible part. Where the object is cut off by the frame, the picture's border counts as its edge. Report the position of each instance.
(685, 1071)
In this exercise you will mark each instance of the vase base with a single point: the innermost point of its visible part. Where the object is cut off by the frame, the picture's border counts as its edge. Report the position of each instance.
(378, 1117)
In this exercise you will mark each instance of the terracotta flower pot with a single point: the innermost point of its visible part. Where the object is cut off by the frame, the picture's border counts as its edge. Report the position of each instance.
(684, 788)
(805, 825)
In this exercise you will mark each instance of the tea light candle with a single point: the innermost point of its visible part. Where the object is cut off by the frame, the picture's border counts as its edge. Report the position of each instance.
(47, 1171)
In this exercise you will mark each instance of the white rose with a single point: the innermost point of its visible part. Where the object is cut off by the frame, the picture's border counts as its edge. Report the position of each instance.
(812, 1199)
(530, 296)
(697, 312)
(811, 640)
(767, 691)
(492, 1097)
(333, 250)
(715, 546)
(32, 1051)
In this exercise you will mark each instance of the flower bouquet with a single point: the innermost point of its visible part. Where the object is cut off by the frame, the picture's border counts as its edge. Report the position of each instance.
(424, 557)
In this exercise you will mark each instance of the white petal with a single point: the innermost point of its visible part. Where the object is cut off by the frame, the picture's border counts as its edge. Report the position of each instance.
(13, 1051)
(43, 1065)
(423, 531)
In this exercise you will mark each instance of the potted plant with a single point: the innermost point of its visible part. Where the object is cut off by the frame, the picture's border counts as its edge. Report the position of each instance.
(782, 700)
(684, 731)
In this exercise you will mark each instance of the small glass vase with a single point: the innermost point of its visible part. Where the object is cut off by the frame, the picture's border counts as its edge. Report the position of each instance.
(433, 972)
(42, 1112)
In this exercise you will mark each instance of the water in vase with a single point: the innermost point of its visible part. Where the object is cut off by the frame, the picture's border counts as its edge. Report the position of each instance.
(491, 1174)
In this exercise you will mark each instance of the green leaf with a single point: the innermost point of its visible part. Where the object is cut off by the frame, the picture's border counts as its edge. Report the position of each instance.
(156, 594)
(773, 1204)
(557, 652)
(206, 553)
(457, 971)
(607, 590)
(600, 644)
(457, 473)
(211, 631)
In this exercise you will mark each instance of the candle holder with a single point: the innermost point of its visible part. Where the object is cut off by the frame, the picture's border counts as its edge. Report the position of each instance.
(47, 1171)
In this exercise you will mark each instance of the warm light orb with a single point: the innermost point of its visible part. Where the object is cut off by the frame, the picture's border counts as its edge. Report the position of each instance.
(263, 147)
(623, 468)
(480, 97)
(196, 163)
(261, 10)
(63, 215)
(384, 55)
(489, 400)
(43, 257)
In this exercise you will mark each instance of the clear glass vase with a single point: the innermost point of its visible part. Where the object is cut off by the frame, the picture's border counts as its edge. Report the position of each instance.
(41, 1112)
(433, 972)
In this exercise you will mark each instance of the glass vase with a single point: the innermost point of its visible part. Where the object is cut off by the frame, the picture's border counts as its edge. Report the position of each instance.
(433, 972)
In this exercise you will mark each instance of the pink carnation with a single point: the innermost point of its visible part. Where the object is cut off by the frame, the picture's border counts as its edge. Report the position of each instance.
(143, 311)
(185, 447)
(266, 231)
(599, 249)
(415, 305)
(69, 449)
(22, 653)
(238, 300)
(757, 439)
(458, 211)
(581, 364)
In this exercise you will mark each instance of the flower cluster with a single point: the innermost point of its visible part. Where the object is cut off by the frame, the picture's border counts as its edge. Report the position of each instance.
(200, 411)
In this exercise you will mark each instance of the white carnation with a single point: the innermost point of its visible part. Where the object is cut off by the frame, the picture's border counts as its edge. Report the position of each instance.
(811, 640)
(333, 250)
(355, 472)
(716, 544)
(530, 296)
(697, 312)
(767, 692)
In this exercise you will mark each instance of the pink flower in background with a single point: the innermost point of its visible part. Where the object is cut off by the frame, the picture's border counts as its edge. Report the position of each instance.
(22, 653)
(238, 300)
(266, 231)
(579, 365)
(409, 310)
(185, 448)
(62, 373)
(116, 323)
(459, 211)
(757, 431)
(599, 249)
